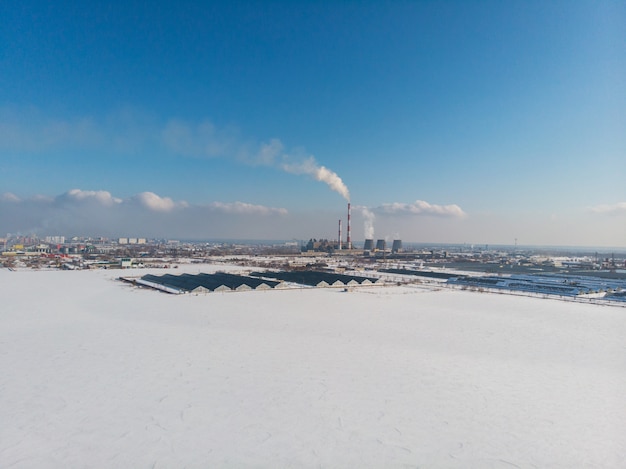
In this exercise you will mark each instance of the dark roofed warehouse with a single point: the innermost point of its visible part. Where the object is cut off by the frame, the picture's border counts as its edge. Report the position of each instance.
(221, 281)
(204, 282)
(316, 278)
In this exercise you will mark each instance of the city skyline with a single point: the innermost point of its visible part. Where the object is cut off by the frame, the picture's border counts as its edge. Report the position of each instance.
(439, 121)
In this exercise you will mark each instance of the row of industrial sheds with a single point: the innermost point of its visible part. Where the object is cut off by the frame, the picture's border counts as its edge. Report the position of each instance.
(204, 283)
(219, 282)
(317, 278)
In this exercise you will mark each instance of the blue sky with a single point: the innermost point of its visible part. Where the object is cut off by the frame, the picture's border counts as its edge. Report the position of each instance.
(468, 122)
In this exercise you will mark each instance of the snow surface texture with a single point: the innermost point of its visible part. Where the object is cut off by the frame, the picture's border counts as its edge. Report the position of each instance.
(96, 373)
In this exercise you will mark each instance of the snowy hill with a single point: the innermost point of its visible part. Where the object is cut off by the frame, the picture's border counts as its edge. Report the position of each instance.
(96, 373)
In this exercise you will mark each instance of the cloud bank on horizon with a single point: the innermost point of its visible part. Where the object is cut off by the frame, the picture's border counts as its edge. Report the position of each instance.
(100, 213)
(147, 214)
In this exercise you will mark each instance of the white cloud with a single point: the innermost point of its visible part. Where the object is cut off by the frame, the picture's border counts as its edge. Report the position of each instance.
(152, 201)
(9, 197)
(420, 207)
(102, 197)
(245, 208)
(85, 212)
(613, 209)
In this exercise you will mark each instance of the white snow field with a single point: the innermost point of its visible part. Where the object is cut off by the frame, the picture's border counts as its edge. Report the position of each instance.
(96, 373)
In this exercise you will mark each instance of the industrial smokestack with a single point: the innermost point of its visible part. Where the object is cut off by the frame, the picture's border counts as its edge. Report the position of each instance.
(349, 241)
(339, 237)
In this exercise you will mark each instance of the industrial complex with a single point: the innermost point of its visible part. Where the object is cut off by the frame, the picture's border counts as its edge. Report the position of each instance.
(323, 263)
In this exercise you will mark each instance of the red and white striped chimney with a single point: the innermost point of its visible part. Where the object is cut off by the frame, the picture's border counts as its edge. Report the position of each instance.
(339, 237)
(349, 243)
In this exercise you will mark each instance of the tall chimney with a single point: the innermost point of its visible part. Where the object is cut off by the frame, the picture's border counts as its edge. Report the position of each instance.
(349, 241)
(339, 237)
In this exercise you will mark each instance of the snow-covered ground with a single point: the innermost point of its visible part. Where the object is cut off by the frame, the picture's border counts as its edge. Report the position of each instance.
(95, 373)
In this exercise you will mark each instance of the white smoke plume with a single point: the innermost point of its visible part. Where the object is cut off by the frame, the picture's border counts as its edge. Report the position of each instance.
(368, 222)
(310, 167)
(129, 131)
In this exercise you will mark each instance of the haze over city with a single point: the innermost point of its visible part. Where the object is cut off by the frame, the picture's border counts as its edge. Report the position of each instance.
(455, 122)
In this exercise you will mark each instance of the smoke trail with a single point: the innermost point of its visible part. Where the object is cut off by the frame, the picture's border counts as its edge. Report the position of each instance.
(368, 222)
(321, 173)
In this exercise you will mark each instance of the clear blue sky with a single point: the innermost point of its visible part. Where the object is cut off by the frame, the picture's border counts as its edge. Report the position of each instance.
(472, 121)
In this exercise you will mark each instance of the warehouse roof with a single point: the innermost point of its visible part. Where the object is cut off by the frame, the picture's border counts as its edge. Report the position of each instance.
(316, 278)
(206, 282)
